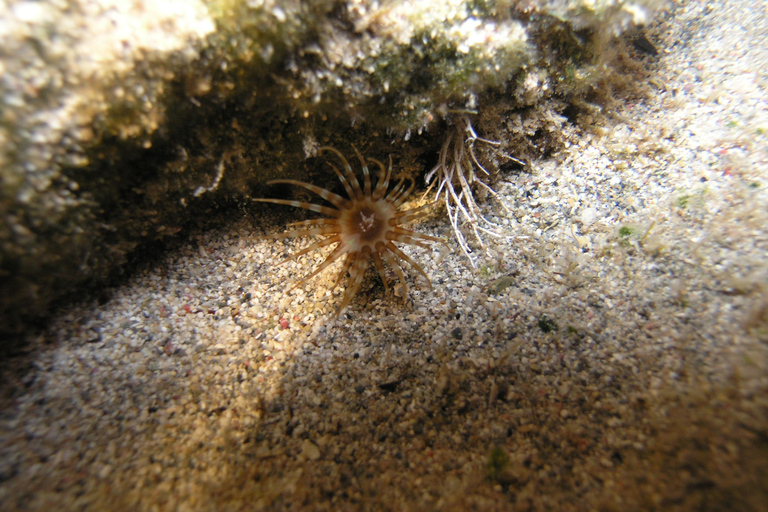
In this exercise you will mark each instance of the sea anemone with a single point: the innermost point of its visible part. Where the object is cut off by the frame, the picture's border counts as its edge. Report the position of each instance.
(364, 226)
(455, 177)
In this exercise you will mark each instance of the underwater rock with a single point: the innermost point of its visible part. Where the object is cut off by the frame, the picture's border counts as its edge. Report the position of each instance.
(124, 124)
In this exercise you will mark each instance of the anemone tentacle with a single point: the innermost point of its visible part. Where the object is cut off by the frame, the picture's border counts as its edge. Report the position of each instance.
(331, 212)
(336, 200)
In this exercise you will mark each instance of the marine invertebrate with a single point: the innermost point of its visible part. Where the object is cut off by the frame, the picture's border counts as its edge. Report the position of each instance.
(455, 177)
(365, 225)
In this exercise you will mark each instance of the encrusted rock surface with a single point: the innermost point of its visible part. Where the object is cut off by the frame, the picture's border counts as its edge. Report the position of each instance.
(125, 123)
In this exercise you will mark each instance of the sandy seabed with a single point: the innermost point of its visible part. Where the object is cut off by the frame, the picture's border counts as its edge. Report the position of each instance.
(609, 353)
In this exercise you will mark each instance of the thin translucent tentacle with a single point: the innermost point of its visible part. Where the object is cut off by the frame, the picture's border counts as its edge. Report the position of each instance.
(337, 253)
(392, 247)
(357, 273)
(336, 200)
(495, 194)
(395, 237)
(347, 262)
(366, 174)
(344, 182)
(321, 221)
(348, 170)
(416, 234)
(402, 198)
(395, 190)
(405, 216)
(323, 230)
(394, 265)
(331, 212)
(384, 175)
(380, 267)
(317, 245)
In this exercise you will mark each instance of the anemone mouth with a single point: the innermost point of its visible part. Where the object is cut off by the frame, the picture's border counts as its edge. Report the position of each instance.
(368, 221)
(365, 225)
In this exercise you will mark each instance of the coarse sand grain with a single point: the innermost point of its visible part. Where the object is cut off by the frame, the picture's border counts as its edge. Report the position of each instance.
(609, 353)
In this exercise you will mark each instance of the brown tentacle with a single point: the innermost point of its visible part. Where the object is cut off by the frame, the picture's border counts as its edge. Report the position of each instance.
(392, 247)
(337, 201)
(383, 183)
(322, 221)
(392, 262)
(366, 174)
(380, 267)
(356, 275)
(402, 198)
(337, 253)
(317, 245)
(331, 212)
(358, 193)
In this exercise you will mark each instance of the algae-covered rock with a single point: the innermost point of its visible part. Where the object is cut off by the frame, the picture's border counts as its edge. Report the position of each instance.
(76, 75)
(124, 123)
